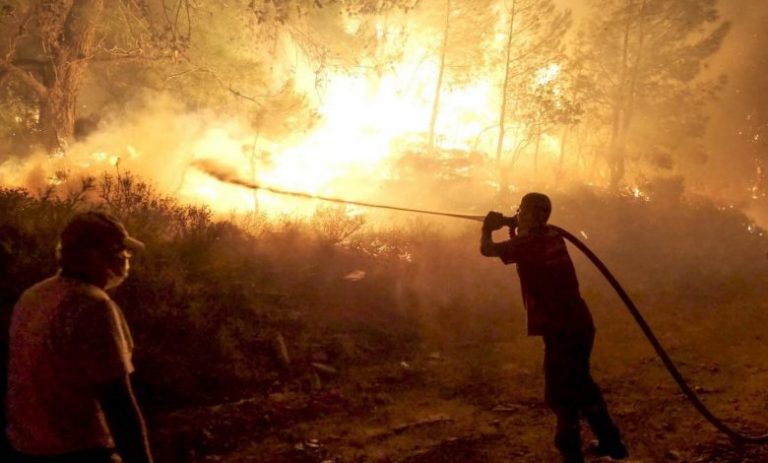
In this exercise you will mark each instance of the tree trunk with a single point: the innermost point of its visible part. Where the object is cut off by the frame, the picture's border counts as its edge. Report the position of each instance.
(625, 107)
(57, 117)
(536, 149)
(503, 174)
(561, 160)
(71, 46)
(440, 73)
(617, 146)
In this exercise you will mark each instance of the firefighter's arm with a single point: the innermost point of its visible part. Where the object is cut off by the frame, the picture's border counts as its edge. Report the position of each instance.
(125, 420)
(506, 250)
(493, 221)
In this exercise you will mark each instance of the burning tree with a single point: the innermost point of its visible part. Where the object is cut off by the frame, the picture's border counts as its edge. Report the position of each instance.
(645, 59)
(757, 138)
(534, 34)
(481, 86)
(52, 49)
(466, 29)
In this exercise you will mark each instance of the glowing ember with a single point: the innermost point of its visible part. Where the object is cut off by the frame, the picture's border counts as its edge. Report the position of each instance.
(357, 275)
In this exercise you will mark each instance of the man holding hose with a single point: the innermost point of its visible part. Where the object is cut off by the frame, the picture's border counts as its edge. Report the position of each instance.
(556, 312)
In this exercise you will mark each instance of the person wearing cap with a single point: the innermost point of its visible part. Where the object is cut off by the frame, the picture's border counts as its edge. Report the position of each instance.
(69, 393)
(556, 311)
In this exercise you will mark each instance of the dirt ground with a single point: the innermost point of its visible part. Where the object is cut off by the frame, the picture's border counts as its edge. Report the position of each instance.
(482, 402)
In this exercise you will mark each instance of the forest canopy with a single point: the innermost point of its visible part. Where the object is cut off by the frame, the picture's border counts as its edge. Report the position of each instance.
(486, 94)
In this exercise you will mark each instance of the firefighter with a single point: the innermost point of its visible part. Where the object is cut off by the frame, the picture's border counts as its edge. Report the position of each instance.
(556, 311)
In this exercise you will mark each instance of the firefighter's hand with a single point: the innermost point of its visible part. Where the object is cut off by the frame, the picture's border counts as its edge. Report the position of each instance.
(511, 222)
(493, 221)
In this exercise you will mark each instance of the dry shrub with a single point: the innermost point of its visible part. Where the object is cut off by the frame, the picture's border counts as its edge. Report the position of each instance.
(209, 296)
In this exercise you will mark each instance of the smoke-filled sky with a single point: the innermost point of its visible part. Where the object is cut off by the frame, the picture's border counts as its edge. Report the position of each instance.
(744, 59)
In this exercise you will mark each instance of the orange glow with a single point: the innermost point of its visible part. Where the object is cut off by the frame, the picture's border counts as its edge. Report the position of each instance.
(365, 119)
(362, 118)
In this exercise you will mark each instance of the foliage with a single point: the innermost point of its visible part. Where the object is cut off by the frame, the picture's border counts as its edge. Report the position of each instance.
(212, 55)
(47, 47)
(333, 225)
(467, 27)
(534, 33)
(208, 297)
(18, 129)
(644, 59)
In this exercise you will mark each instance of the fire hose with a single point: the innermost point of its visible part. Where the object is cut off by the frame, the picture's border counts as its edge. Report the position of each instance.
(215, 170)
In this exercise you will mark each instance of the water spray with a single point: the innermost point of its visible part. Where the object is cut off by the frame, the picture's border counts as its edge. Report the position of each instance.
(228, 175)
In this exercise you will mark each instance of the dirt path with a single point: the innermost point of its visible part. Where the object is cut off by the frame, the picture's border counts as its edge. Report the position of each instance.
(447, 410)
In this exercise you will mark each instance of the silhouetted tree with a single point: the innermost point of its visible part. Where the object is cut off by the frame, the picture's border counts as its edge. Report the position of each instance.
(466, 30)
(645, 58)
(48, 46)
(534, 35)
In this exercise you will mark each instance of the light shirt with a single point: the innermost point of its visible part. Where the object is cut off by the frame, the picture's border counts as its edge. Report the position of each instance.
(66, 338)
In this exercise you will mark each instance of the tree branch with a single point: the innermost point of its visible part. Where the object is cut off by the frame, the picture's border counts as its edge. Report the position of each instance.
(29, 62)
(26, 77)
(123, 57)
(4, 76)
(217, 78)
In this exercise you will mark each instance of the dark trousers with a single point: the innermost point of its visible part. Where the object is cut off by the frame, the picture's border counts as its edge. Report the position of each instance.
(570, 392)
(87, 456)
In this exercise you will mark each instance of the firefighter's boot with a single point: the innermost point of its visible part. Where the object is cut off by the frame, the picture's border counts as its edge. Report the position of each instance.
(608, 435)
(568, 442)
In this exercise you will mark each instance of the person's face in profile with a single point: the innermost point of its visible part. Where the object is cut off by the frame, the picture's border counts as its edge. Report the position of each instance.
(117, 268)
(526, 219)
